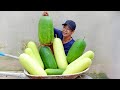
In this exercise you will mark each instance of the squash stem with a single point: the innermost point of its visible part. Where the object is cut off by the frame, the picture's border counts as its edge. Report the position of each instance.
(25, 45)
(18, 52)
(94, 51)
(84, 38)
(56, 35)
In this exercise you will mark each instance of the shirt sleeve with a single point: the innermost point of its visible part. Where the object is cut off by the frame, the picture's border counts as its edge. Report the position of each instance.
(58, 33)
(68, 45)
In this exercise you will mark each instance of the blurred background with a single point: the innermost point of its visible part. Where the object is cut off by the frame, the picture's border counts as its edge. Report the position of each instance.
(100, 29)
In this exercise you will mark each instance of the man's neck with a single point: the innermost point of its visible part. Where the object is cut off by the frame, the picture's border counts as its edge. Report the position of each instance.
(66, 39)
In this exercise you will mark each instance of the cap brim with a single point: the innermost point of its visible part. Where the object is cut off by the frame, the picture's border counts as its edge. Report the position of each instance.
(64, 24)
(68, 26)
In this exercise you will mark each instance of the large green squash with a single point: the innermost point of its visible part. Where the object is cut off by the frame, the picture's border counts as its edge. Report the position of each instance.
(76, 50)
(48, 57)
(45, 30)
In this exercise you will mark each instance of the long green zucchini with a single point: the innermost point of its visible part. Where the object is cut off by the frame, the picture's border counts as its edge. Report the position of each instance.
(48, 57)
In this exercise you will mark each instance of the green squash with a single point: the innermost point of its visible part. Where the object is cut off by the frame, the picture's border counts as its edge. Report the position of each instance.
(45, 30)
(48, 57)
(76, 50)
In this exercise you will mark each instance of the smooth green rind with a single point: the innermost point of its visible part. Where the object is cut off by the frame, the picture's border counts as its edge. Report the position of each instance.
(54, 71)
(47, 57)
(76, 50)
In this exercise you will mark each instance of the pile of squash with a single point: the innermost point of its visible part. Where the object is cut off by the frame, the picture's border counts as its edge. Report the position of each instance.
(49, 58)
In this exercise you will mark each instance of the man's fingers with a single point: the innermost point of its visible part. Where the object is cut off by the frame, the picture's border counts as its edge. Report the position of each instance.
(45, 13)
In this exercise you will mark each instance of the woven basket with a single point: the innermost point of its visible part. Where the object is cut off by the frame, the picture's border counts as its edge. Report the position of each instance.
(70, 76)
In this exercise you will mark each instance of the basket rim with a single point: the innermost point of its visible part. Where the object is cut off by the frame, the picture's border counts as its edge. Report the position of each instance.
(27, 74)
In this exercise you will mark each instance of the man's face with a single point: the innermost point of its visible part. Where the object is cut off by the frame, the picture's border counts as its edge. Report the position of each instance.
(66, 31)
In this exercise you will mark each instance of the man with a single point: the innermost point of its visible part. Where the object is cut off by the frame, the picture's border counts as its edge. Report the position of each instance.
(66, 34)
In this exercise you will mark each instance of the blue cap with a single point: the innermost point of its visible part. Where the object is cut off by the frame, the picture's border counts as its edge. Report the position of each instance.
(71, 24)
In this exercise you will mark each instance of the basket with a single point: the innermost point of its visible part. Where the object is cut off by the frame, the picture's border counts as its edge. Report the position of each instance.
(70, 76)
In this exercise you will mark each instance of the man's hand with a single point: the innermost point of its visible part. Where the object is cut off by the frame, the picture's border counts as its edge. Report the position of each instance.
(45, 13)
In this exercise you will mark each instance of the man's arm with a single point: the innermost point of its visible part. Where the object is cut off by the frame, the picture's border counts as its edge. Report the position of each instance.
(56, 31)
